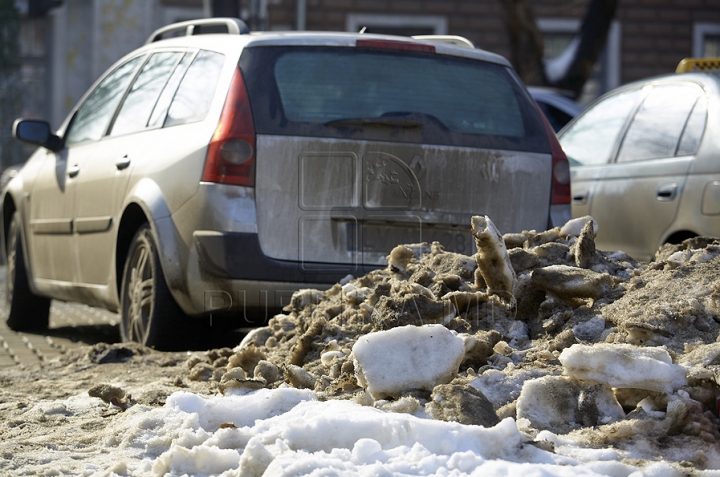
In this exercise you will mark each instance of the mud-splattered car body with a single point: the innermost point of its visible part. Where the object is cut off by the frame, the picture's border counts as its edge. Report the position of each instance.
(218, 173)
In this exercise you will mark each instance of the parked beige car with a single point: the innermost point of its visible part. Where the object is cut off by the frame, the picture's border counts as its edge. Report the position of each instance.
(644, 162)
(217, 173)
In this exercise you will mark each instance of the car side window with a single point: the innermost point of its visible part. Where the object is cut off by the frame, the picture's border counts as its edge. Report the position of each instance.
(197, 88)
(591, 139)
(656, 128)
(163, 104)
(93, 117)
(135, 111)
(690, 140)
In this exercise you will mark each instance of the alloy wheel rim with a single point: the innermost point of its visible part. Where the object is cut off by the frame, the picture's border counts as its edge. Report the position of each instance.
(140, 294)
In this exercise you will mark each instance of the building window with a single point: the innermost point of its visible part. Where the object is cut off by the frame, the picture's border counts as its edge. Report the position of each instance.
(557, 36)
(706, 40)
(406, 25)
(711, 46)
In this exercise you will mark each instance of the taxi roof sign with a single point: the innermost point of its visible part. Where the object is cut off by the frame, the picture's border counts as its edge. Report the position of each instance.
(688, 65)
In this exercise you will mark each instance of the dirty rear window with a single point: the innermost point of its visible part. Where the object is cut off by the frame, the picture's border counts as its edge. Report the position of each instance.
(372, 94)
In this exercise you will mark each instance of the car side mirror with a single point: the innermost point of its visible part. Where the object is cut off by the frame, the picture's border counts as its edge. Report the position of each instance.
(37, 132)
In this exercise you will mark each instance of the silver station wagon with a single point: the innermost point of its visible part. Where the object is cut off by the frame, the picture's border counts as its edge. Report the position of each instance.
(213, 172)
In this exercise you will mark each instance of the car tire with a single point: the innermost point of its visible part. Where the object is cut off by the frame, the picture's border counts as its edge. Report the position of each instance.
(25, 310)
(149, 314)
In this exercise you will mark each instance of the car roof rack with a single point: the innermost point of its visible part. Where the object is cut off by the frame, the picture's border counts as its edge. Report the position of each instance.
(688, 65)
(233, 26)
(447, 39)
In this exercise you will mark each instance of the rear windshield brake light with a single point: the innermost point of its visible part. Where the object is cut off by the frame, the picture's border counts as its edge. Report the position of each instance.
(395, 45)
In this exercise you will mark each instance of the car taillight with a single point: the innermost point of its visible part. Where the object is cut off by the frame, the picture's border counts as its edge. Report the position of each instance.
(560, 167)
(231, 153)
(561, 177)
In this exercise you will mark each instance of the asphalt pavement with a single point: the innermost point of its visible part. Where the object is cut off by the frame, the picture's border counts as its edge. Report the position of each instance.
(71, 325)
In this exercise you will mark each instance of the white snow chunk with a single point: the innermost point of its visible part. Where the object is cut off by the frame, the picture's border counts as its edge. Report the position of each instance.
(200, 460)
(701, 356)
(575, 226)
(555, 402)
(348, 287)
(307, 296)
(503, 387)
(697, 256)
(389, 362)
(354, 294)
(698, 361)
(249, 338)
(590, 329)
(296, 436)
(328, 357)
(518, 333)
(624, 366)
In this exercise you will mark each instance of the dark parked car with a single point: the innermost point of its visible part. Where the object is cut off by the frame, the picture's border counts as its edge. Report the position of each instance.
(558, 108)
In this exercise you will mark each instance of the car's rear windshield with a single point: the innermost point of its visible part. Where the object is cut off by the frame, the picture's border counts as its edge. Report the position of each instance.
(386, 95)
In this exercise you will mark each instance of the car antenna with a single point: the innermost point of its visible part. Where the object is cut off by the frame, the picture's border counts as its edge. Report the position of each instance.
(362, 30)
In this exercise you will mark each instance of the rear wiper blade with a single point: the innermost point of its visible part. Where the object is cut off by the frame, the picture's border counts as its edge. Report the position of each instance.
(377, 122)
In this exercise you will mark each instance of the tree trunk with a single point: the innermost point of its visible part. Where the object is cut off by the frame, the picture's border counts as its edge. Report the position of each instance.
(527, 46)
(526, 41)
(590, 43)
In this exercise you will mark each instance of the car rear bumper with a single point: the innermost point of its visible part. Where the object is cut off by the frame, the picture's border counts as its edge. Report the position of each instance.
(238, 255)
(234, 276)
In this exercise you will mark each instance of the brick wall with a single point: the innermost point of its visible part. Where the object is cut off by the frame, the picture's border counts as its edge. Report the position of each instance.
(655, 34)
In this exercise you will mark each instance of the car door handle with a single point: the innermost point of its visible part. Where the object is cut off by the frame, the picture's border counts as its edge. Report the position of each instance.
(666, 192)
(123, 163)
(73, 171)
(580, 198)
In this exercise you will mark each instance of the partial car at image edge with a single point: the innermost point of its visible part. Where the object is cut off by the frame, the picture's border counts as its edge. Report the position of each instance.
(643, 162)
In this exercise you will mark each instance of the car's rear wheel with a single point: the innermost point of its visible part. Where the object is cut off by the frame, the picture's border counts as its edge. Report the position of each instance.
(149, 314)
(25, 310)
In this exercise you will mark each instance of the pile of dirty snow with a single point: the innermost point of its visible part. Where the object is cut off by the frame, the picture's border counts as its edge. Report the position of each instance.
(537, 355)
(542, 347)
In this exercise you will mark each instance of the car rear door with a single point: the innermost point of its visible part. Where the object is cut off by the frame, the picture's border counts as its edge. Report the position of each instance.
(104, 174)
(359, 150)
(637, 197)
